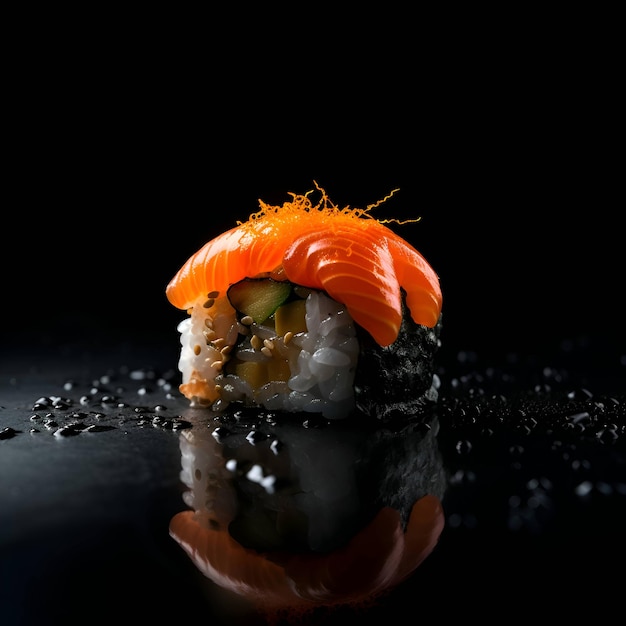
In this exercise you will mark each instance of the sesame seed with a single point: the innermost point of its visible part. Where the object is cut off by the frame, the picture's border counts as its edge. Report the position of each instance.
(219, 343)
(209, 303)
(209, 334)
(269, 344)
(266, 351)
(217, 365)
(255, 342)
(246, 320)
(197, 349)
(287, 337)
(213, 295)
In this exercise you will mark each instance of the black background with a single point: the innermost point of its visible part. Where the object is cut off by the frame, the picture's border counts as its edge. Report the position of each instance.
(123, 159)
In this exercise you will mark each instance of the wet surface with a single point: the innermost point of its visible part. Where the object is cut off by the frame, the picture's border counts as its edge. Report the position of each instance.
(507, 500)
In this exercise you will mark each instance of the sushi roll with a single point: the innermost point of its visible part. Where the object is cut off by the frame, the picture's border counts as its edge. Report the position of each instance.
(309, 308)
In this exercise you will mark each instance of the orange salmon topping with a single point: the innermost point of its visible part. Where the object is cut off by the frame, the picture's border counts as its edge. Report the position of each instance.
(353, 257)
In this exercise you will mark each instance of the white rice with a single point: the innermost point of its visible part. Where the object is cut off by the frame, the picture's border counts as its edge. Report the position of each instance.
(322, 361)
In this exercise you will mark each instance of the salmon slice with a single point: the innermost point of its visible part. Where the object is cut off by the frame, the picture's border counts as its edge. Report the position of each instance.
(232, 256)
(357, 260)
(354, 268)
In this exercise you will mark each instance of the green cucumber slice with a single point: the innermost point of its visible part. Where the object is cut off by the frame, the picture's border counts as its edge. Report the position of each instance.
(258, 297)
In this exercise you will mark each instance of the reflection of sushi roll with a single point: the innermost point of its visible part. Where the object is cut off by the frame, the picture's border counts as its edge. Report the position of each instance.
(308, 308)
(304, 519)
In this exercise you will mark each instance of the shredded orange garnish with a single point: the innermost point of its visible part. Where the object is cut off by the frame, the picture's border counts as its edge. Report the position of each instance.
(325, 206)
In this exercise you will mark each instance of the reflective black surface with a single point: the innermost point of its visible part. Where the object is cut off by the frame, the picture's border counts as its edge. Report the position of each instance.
(99, 456)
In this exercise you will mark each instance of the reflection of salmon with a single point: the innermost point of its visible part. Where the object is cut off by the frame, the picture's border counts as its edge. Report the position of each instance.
(228, 564)
(354, 258)
(376, 559)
